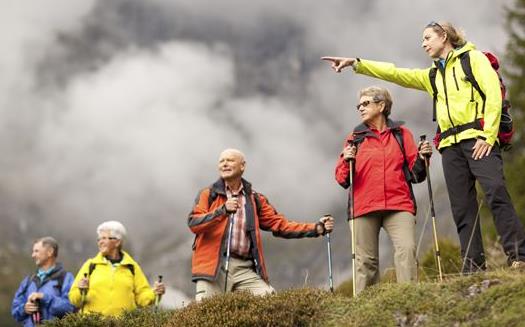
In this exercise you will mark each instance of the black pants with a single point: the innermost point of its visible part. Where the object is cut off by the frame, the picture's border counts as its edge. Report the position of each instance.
(461, 172)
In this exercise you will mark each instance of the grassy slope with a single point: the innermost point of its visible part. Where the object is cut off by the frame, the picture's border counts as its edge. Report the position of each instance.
(491, 299)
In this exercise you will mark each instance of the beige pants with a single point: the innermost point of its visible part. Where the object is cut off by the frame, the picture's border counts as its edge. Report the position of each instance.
(241, 276)
(401, 227)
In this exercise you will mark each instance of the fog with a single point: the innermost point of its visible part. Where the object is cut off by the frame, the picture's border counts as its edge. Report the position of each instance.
(118, 110)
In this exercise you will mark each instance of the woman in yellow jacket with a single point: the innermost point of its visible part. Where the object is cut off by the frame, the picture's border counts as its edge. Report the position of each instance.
(112, 282)
(470, 150)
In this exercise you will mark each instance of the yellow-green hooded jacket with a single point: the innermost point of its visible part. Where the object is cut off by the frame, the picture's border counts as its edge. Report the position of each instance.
(112, 288)
(458, 102)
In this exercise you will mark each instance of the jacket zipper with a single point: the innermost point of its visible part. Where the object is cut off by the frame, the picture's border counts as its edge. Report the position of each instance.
(442, 70)
(455, 79)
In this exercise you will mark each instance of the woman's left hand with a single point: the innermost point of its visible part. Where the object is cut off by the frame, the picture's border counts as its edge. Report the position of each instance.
(425, 149)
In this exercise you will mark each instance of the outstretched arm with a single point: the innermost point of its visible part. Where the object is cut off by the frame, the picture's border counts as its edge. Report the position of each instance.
(271, 220)
(412, 78)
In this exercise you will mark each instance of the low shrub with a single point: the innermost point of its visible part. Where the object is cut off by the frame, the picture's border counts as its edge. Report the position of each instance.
(297, 307)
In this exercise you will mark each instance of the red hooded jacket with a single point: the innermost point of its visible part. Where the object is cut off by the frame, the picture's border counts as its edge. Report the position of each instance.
(379, 180)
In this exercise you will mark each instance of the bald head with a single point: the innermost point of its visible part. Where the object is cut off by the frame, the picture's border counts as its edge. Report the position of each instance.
(232, 152)
(231, 164)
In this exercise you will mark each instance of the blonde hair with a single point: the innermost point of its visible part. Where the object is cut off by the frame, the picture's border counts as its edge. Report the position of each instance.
(379, 94)
(455, 36)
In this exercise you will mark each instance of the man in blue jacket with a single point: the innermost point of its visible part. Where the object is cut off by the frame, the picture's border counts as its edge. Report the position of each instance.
(44, 294)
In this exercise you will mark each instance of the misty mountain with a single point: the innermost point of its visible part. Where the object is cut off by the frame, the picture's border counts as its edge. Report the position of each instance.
(118, 109)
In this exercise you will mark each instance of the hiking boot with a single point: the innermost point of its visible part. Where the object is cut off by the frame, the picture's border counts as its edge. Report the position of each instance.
(518, 265)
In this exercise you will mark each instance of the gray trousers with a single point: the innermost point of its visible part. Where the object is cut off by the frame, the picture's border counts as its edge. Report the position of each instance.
(461, 173)
(401, 227)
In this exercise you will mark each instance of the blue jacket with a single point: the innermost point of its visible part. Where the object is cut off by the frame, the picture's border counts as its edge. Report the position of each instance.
(55, 302)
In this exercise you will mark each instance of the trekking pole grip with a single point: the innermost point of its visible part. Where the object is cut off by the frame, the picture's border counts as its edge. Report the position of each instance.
(350, 143)
(423, 138)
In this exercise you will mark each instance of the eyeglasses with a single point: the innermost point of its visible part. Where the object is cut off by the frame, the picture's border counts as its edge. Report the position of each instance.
(365, 104)
(435, 24)
(104, 238)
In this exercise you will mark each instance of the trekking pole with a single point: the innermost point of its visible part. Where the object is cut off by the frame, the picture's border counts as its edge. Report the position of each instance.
(83, 294)
(158, 296)
(330, 276)
(432, 212)
(36, 314)
(351, 217)
(228, 248)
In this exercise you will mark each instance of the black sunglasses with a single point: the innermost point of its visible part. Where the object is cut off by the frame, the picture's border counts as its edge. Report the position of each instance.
(366, 103)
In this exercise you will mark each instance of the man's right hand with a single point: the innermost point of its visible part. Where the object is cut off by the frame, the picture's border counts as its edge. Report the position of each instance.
(30, 307)
(349, 152)
(232, 205)
(338, 63)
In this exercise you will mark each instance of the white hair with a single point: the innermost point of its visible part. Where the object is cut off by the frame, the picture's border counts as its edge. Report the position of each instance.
(235, 151)
(115, 229)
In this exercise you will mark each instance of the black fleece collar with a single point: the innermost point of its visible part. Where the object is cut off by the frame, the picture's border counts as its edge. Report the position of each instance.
(219, 187)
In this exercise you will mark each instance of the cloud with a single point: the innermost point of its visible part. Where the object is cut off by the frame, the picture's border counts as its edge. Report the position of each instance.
(118, 109)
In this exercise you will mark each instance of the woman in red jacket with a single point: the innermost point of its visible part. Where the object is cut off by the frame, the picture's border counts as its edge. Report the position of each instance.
(383, 195)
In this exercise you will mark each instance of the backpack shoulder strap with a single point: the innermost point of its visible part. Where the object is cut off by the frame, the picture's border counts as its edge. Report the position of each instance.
(60, 279)
(432, 77)
(257, 202)
(406, 170)
(401, 143)
(464, 58)
(131, 268)
(92, 267)
(213, 195)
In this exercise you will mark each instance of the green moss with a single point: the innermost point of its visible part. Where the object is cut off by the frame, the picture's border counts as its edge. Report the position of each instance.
(488, 299)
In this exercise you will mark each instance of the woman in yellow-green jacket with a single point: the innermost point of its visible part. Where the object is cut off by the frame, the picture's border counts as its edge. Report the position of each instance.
(469, 124)
(112, 282)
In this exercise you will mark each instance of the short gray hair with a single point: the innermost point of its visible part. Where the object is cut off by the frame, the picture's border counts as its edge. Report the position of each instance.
(115, 229)
(48, 242)
(379, 94)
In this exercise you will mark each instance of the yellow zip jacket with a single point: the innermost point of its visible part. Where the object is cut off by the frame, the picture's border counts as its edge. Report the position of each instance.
(112, 288)
(458, 102)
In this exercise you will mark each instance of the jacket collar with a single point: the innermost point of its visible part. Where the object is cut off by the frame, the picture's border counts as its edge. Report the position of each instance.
(457, 52)
(219, 187)
(57, 270)
(390, 124)
(126, 259)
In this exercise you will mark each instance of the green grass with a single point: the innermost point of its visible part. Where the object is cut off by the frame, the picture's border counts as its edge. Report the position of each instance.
(488, 299)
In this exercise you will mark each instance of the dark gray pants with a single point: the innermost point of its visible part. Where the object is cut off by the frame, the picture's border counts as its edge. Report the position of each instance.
(461, 172)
